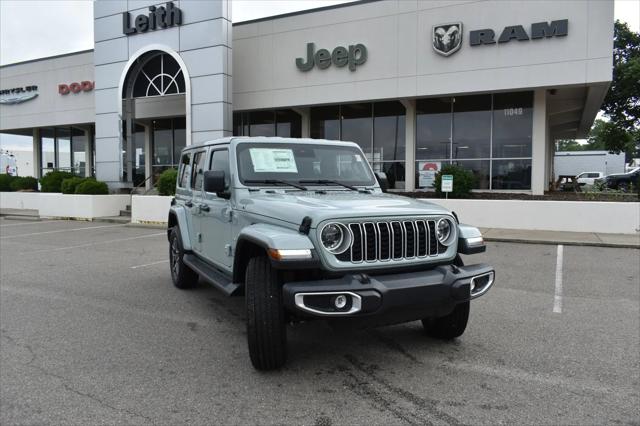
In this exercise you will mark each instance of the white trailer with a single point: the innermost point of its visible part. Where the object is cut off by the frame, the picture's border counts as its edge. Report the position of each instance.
(572, 163)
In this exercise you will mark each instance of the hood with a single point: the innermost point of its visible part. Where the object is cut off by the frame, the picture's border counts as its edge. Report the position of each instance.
(294, 206)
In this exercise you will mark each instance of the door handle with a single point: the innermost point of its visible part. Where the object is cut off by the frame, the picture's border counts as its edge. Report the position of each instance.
(188, 204)
(204, 208)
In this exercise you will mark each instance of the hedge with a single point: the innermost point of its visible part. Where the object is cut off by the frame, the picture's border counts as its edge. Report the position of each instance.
(5, 182)
(167, 182)
(92, 187)
(69, 185)
(26, 183)
(52, 181)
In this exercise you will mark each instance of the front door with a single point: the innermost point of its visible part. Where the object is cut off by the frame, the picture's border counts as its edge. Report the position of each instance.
(216, 216)
(193, 206)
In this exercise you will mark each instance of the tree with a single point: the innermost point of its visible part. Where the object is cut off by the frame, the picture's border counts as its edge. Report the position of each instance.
(622, 103)
(568, 145)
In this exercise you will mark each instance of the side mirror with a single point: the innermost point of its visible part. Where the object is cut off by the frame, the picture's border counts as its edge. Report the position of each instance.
(214, 182)
(381, 177)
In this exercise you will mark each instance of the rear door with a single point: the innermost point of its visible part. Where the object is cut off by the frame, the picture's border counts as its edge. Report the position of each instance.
(216, 215)
(197, 177)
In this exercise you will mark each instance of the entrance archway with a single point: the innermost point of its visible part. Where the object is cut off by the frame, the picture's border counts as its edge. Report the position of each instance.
(155, 114)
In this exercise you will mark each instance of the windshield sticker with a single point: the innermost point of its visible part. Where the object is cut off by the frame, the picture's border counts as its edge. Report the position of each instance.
(273, 160)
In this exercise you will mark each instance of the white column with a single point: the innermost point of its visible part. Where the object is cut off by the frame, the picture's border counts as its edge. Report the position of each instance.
(88, 154)
(37, 150)
(539, 142)
(410, 145)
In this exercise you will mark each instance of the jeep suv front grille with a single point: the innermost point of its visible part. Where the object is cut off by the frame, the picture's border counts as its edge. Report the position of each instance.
(391, 240)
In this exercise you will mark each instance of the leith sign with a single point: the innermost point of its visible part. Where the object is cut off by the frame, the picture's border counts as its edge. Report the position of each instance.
(158, 18)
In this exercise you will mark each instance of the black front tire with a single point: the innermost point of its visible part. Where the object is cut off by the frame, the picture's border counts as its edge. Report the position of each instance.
(449, 326)
(182, 276)
(266, 328)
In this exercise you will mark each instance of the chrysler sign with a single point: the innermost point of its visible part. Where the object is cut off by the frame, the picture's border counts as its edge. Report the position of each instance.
(17, 95)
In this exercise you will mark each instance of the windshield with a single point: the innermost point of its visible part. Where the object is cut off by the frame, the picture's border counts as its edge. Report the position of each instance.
(260, 163)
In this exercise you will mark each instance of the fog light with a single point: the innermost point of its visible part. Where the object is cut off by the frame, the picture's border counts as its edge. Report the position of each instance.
(340, 301)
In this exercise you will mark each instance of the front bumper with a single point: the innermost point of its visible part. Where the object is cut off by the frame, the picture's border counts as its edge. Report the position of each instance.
(387, 299)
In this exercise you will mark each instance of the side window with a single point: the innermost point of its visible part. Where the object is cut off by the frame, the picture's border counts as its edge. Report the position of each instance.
(594, 175)
(220, 161)
(197, 171)
(185, 170)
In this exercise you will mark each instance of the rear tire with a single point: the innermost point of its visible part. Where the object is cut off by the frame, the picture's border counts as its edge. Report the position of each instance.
(449, 326)
(266, 328)
(182, 276)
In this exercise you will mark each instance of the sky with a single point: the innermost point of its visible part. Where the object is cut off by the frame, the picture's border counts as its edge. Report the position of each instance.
(21, 42)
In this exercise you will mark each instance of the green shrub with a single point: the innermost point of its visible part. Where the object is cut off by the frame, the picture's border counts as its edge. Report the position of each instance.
(463, 181)
(69, 185)
(5, 182)
(26, 183)
(92, 187)
(167, 182)
(52, 181)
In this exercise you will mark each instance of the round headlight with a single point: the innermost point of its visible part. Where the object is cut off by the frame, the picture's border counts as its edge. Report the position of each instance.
(443, 230)
(332, 236)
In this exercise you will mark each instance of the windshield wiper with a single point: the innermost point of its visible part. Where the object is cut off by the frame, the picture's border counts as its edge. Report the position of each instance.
(275, 182)
(330, 182)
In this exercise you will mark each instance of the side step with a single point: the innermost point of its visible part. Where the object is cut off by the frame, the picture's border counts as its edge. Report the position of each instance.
(210, 274)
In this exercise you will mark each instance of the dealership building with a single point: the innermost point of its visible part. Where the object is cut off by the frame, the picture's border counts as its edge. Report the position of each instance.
(487, 85)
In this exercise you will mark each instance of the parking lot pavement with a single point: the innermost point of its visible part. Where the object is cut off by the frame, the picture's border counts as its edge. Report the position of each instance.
(92, 331)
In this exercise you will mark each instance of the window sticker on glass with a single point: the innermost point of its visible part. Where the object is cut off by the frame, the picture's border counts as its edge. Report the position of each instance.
(273, 160)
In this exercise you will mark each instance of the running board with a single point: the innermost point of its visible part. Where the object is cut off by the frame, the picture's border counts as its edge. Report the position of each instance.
(210, 274)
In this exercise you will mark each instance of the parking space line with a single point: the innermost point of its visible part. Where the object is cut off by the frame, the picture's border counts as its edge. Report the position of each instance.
(48, 250)
(557, 299)
(33, 222)
(150, 264)
(59, 230)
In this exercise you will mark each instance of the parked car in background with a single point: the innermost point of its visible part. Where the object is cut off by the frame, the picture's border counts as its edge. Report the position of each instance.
(588, 178)
(622, 181)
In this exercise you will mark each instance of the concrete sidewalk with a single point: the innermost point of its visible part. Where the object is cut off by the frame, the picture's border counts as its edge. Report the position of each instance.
(561, 237)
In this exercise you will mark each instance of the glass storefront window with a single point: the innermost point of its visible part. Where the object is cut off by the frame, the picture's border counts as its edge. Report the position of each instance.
(48, 150)
(476, 131)
(79, 151)
(480, 170)
(288, 124)
(512, 124)
(63, 139)
(179, 137)
(395, 173)
(471, 127)
(262, 123)
(162, 142)
(511, 174)
(433, 129)
(388, 131)
(325, 122)
(357, 127)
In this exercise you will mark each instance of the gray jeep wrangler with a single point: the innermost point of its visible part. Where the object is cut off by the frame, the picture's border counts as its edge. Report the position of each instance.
(304, 229)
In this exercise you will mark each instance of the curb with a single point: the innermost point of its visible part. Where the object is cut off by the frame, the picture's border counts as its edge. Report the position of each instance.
(564, 243)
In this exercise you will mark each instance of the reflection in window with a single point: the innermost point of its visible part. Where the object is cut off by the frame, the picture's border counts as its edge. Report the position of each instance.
(480, 170)
(262, 123)
(284, 123)
(356, 126)
(220, 162)
(179, 136)
(433, 128)
(511, 174)
(389, 132)
(471, 126)
(395, 173)
(288, 124)
(512, 124)
(325, 122)
(162, 142)
(185, 170)
(47, 152)
(79, 144)
(63, 138)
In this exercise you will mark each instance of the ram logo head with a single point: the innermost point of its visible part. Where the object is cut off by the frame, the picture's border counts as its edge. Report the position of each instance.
(447, 38)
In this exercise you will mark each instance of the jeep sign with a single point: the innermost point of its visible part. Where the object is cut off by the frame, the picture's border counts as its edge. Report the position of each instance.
(353, 56)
